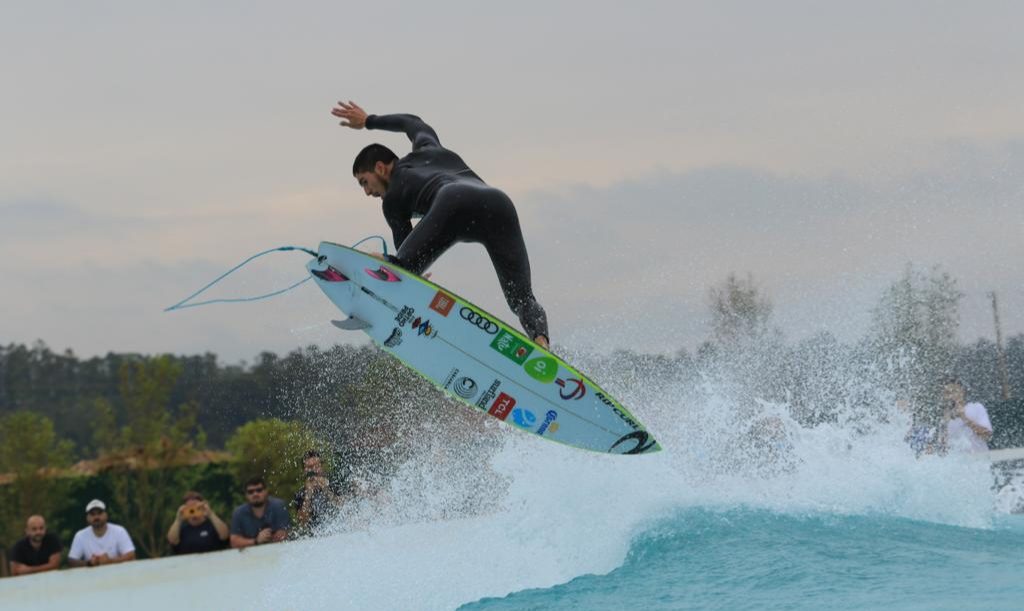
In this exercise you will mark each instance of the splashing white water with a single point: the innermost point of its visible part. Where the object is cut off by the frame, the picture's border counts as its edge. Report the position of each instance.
(459, 523)
(560, 513)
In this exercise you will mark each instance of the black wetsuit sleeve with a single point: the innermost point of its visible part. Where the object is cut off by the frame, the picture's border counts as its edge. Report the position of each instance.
(400, 224)
(420, 134)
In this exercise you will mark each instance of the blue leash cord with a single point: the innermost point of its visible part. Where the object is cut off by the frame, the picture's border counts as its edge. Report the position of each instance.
(383, 243)
(181, 305)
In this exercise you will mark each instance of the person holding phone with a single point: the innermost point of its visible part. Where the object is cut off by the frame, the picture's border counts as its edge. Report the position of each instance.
(196, 528)
(320, 497)
(967, 425)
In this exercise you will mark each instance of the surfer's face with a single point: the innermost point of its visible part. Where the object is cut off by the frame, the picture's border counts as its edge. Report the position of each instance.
(375, 183)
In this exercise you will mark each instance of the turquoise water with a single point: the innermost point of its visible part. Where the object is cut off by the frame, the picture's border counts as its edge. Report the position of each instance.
(756, 559)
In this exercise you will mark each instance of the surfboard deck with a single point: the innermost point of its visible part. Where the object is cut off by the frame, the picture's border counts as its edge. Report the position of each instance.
(474, 356)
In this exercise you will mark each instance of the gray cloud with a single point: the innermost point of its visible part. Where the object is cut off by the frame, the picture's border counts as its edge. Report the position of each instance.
(43, 221)
(628, 265)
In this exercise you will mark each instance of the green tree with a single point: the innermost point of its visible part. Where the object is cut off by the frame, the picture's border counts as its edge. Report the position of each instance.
(142, 457)
(740, 312)
(914, 333)
(273, 449)
(31, 453)
(745, 346)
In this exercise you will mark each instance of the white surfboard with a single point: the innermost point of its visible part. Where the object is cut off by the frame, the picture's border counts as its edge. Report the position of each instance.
(473, 356)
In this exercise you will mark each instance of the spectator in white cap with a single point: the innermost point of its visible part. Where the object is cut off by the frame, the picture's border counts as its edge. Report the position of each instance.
(101, 542)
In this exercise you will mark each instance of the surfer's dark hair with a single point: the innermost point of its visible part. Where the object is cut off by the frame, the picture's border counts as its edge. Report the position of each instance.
(370, 155)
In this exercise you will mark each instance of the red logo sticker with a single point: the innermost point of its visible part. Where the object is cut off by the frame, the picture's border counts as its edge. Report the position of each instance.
(502, 406)
(442, 303)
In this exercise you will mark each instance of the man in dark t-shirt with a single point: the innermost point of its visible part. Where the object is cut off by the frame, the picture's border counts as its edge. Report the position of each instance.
(197, 528)
(39, 551)
(199, 539)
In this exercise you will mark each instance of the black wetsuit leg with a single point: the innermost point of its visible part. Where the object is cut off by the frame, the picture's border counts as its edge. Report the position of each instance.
(471, 211)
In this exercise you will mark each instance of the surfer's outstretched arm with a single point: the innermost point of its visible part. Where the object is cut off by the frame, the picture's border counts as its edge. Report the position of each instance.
(419, 133)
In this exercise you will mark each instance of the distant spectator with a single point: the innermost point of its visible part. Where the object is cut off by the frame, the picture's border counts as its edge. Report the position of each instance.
(196, 528)
(39, 551)
(320, 498)
(920, 437)
(967, 427)
(101, 542)
(263, 519)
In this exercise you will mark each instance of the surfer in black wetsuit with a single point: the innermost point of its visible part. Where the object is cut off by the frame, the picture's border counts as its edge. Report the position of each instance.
(455, 204)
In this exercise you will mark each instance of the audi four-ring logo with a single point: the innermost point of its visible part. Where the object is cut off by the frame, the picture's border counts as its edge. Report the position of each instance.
(484, 324)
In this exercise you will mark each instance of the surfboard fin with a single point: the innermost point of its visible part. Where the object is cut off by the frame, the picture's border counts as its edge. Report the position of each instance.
(352, 324)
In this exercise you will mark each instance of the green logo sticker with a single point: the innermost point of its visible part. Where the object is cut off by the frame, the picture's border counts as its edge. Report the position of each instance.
(542, 368)
(512, 347)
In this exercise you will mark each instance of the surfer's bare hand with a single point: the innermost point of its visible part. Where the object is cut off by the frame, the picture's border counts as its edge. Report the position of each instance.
(353, 115)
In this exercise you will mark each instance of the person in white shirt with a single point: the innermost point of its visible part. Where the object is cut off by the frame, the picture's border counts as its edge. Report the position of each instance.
(101, 542)
(968, 427)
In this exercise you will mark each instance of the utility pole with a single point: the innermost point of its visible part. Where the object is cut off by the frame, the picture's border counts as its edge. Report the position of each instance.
(1000, 355)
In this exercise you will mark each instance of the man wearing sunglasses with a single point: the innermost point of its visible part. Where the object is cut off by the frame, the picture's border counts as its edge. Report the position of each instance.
(261, 519)
(101, 542)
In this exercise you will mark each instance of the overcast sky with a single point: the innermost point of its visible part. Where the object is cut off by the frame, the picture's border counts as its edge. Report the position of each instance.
(651, 148)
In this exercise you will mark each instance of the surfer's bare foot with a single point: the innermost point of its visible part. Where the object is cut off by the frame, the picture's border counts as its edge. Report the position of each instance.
(542, 341)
